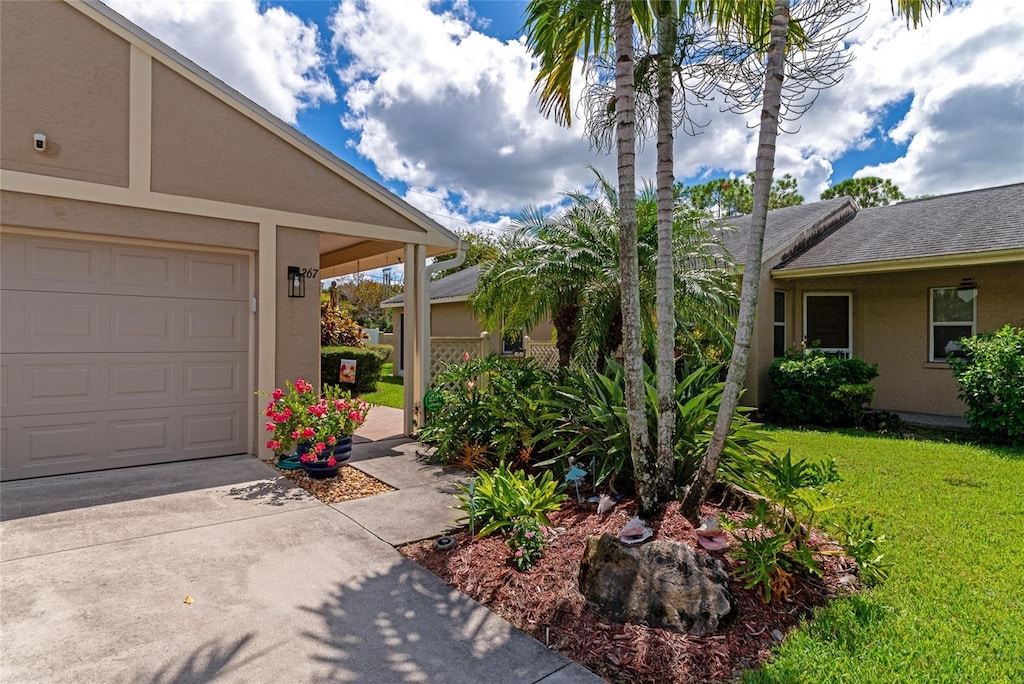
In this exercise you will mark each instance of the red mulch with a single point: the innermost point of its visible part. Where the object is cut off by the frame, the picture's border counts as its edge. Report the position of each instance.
(546, 603)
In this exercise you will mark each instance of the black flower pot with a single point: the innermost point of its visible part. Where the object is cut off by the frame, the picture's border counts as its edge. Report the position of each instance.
(319, 469)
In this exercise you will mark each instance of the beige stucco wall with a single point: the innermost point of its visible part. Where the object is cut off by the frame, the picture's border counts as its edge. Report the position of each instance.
(66, 77)
(891, 327)
(204, 148)
(298, 319)
(54, 213)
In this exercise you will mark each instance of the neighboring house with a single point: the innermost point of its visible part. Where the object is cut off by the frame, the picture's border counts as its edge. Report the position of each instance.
(451, 317)
(150, 219)
(893, 285)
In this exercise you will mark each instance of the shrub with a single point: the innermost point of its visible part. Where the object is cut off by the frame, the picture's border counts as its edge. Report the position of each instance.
(337, 328)
(490, 410)
(990, 372)
(495, 500)
(588, 422)
(370, 359)
(817, 388)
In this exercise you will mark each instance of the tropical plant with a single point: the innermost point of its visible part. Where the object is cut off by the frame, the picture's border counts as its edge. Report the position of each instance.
(869, 191)
(990, 372)
(494, 501)
(588, 424)
(776, 542)
(489, 412)
(816, 64)
(337, 328)
(565, 265)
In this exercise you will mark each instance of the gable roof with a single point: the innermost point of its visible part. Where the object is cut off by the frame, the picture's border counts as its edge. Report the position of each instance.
(452, 288)
(438, 238)
(786, 228)
(986, 224)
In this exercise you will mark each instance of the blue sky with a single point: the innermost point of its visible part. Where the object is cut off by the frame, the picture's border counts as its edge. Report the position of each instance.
(432, 99)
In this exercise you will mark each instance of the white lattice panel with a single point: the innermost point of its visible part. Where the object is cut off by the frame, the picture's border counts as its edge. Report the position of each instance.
(446, 351)
(545, 353)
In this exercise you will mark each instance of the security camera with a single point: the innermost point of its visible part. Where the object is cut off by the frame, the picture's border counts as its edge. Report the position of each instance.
(39, 142)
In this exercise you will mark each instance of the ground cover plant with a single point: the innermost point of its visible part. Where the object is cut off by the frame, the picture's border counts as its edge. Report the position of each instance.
(952, 609)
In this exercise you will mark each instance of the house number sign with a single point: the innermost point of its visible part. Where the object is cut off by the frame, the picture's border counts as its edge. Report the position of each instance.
(308, 272)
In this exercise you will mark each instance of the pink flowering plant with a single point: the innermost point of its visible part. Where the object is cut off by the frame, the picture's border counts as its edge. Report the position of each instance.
(297, 414)
(526, 542)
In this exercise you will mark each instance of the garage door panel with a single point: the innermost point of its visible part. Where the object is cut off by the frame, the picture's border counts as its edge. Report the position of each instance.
(73, 323)
(211, 430)
(47, 385)
(49, 265)
(224, 276)
(141, 437)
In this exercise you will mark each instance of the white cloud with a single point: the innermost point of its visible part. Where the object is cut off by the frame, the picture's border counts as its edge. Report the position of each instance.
(271, 56)
(436, 104)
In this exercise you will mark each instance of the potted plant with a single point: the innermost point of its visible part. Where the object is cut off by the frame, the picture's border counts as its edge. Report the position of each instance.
(319, 428)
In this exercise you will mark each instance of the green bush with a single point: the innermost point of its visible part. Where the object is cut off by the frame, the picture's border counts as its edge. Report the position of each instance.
(490, 410)
(588, 422)
(496, 500)
(817, 388)
(990, 371)
(369, 360)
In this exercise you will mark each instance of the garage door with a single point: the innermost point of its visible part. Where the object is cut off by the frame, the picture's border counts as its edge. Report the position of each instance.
(119, 355)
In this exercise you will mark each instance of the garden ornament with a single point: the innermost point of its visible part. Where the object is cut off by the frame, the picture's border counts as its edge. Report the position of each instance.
(635, 531)
(574, 475)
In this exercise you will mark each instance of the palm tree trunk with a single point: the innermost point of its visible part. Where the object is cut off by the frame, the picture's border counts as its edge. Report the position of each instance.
(665, 287)
(625, 134)
(764, 168)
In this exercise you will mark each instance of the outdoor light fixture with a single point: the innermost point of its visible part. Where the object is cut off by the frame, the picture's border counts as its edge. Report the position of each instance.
(296, 282)
(967, 289)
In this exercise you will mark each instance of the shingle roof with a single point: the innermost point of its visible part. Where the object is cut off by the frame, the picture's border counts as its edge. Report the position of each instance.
(960, 223)
(458, 284)
(785, 227)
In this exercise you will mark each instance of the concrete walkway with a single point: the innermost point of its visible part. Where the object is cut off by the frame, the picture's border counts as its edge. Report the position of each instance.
(95, 571)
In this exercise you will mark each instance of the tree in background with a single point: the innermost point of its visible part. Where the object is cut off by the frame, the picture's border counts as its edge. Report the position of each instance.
(481, 247)
(869, 191)
(726, 197)
(360, 298)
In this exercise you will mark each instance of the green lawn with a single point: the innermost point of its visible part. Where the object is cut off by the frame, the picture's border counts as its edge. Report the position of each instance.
(389, 390)
(953, 609)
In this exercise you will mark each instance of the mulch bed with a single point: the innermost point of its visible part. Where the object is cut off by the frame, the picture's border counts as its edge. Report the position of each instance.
(350, 483)
(546, 603)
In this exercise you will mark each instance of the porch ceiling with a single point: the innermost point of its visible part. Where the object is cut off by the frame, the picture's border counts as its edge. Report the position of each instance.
(342, 255)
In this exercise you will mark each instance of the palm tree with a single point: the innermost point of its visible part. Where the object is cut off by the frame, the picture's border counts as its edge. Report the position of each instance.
(771, 100)
(566, 266)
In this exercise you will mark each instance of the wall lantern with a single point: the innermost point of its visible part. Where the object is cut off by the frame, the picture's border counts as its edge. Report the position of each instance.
(967, 290)
(296, 282)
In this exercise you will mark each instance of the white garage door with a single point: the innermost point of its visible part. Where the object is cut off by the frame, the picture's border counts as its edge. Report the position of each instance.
(117, 355)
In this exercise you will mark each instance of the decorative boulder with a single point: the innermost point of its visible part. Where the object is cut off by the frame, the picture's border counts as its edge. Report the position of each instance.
(661, 584)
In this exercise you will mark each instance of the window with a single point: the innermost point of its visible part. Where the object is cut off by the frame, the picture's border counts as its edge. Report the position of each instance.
(512, 343)
(828, 322)
(780, 324)
(953, 312)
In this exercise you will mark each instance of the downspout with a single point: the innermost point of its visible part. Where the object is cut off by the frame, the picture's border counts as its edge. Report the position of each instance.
(424, 308)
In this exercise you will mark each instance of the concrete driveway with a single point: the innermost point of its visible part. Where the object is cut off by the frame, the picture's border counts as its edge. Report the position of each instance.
(95, 570)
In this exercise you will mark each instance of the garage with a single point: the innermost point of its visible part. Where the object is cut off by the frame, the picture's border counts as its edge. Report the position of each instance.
(121, 353)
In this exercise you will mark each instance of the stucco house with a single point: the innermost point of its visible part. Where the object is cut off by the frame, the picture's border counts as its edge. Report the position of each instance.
(452, 319)
(157, 227)
(892, 285)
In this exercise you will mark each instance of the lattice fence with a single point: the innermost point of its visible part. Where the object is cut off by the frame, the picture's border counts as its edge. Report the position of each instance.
(445, 351)
(545, 353)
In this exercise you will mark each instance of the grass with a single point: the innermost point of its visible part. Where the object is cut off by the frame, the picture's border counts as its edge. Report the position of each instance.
(390, 391)
(953, 608)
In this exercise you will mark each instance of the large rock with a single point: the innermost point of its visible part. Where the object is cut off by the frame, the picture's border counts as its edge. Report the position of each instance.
(662, 584)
